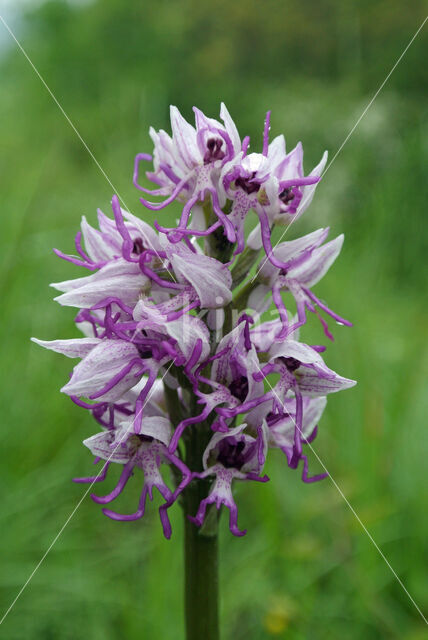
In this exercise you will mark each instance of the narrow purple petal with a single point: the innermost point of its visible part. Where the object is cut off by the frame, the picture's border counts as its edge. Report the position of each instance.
(124, 477)
(140, 156)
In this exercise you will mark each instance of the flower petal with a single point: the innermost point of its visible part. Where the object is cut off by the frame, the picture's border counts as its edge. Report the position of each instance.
(99, 246)
(103, 365)
(312, 270)
(210, 278)
(74, 348)
(184, 137)
(230, 128)
(157, 427)
(312, 384)
(298, 350)
(119, 279)
(100, 445)
(309, 190)
(294, 250)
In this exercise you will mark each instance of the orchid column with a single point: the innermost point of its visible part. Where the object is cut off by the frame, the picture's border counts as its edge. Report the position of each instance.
(178, 363)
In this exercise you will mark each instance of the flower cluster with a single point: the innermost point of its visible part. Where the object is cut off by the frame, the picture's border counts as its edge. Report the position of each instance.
(178, 363)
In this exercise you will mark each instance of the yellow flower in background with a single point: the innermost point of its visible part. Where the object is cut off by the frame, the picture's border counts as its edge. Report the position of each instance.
(281, 613)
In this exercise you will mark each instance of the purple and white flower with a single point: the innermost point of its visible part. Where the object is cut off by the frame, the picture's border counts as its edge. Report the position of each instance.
(306, 260)
(188, 164)
(146, 450)
(228, 457)
(271, 183)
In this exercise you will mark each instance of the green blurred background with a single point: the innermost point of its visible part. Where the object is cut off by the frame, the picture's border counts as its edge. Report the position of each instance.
(305, 569)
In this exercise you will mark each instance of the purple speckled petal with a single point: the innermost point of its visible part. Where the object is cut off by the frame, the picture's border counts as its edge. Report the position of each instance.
(105, 363)
(310, 271)
(103, 446)
(292, 349)
(184, 135)
(120, 279)
(293, 252)
(209, 277)
(309, 191)
(230, 128)
(73, 348)
(311, 384)
(99, 246)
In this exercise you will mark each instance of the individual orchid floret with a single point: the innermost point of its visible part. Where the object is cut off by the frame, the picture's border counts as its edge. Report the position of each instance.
(188, 165)
(229, 457)
(237, 360)
(146, 450)
(270, 184)
(302, 372)
(110, 369)
(290, 192)
(291, 421)
(112, 366)
(295, 192)
(306, 260)
(106, 243)
(104, 412)
(309, 371)
(123, 254)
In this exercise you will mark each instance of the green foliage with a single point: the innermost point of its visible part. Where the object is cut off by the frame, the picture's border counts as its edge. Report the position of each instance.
(305, 569)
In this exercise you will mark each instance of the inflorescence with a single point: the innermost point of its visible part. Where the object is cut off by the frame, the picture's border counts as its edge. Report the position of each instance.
(177, 348)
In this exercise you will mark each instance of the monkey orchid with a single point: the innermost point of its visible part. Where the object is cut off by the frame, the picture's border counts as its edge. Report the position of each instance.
(178, 365)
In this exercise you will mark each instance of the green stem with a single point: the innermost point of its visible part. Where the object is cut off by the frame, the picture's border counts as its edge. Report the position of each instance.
(243, 265)
(200, 553)
(201, 544)
(241, 298)
(173, 405)
(217, 244)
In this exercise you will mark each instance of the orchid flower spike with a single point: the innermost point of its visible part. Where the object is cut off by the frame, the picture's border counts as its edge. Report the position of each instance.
(177, 361)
